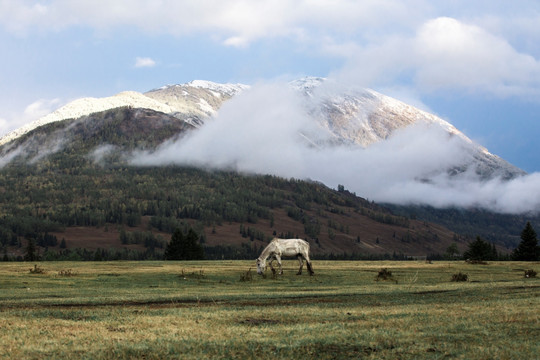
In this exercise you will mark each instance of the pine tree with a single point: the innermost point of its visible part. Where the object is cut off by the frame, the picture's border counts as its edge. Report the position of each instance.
(184, 247)
(194, 250)
(479, 250)
(30, 251)
(527, 249)
(174, 248)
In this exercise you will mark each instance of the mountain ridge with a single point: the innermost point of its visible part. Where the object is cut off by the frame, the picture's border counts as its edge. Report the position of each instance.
(84, 192)
(351, 115)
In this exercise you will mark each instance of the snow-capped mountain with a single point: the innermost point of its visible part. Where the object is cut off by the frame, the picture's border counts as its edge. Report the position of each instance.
(347, 115)
(198, 98)
(363, 117)
(194, 100)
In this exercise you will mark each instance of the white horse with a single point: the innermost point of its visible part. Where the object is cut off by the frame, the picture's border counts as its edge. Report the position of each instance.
(285, 247)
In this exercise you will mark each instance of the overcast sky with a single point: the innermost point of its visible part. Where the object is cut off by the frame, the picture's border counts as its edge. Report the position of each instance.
(474, 63)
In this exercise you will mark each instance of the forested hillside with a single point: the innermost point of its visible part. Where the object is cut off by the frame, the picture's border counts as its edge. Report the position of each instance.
(69, 190)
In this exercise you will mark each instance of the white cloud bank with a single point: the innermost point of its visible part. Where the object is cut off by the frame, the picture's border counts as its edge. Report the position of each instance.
(260, 131)
(443, 54)
(488, 48)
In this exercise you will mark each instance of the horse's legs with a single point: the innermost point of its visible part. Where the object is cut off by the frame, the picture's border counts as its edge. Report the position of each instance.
(278, 258)
(271, 267)
(301, 261)
(308, 263)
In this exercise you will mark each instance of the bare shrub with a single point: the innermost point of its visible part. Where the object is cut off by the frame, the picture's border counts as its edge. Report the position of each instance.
(247, 276)
(385, 274)
(66, 273)
(37, 270)
(460, 277)
(530, 273)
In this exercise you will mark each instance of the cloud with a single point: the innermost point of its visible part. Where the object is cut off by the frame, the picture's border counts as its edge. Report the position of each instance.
(142, 62)
(263, 131)
(443, 54)
(32, 112)
(433, 47)
(256, 131)
(40, 108)
(452, 54)
(235, 22)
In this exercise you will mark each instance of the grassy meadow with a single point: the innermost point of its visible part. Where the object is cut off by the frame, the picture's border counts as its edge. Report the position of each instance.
(223, 310)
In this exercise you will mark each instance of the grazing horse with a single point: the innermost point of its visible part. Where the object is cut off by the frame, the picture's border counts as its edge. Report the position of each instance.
(285, 247)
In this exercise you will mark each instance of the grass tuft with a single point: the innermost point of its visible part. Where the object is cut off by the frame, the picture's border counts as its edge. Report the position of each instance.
(460, 277)
(67, 273)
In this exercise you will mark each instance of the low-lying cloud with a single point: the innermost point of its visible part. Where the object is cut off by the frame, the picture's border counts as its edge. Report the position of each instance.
(267, 131)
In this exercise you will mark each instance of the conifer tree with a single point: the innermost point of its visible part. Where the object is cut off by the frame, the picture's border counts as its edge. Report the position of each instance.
(479, 250)
(184, 247)
(194, 250)
(527, 249)
(30, 251)
(174, 248)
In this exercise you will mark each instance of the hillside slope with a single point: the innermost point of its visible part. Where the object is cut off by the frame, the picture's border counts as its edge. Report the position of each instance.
(85, 194)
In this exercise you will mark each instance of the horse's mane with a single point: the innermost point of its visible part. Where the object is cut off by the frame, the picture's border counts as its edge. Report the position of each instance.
(266, 250)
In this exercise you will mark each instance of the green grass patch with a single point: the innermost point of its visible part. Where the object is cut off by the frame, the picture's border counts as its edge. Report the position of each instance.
(205, 309)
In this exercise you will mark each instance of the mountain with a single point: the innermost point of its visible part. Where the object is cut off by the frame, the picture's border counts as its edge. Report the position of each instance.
(192, 102)
(82, 201)
(345, 116)
(67, 176)
(364, 117)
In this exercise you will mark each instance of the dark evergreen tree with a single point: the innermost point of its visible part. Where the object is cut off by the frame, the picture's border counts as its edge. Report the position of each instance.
(30, 251)
(194, 250)
(479, 250)
(184, 247)
(527, 249)
(174, 248)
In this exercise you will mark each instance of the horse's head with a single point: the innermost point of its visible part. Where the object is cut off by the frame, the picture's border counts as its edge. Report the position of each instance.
(261, 266)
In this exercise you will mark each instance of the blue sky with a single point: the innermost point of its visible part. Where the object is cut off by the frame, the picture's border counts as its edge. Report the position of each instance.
(476, 64)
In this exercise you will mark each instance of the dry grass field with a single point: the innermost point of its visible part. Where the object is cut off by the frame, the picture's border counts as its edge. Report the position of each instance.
(223, 310)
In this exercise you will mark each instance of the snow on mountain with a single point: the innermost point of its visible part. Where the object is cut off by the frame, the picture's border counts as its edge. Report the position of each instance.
(228, 89)
(195, 100)
(87, 106)
(363, 117)
(198, 98)
(348, 115)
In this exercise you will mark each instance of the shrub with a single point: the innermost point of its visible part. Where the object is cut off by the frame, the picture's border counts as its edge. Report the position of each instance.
(67, 272)
(384, 274)
(460, 277)
(530, 273)
(37, 270)
(476, 262)
(246, 276)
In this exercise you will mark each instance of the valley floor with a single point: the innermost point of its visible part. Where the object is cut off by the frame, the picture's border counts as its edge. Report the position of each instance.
(224, 310)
